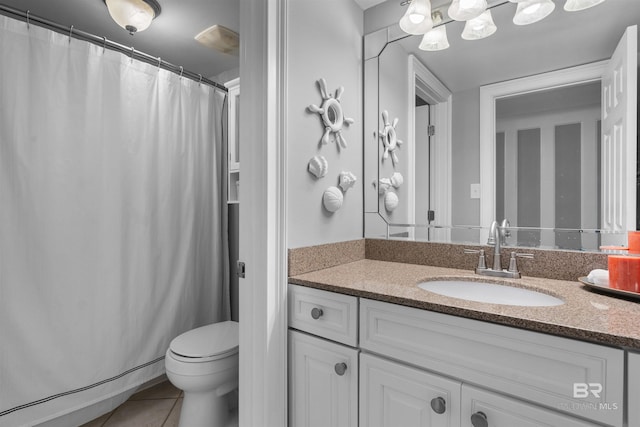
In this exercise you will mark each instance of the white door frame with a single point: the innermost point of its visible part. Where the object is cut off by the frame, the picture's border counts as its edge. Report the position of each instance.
(439, 97)
(488, 95)
(263, 292)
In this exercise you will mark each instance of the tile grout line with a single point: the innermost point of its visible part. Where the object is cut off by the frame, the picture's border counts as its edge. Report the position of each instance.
(175, 403)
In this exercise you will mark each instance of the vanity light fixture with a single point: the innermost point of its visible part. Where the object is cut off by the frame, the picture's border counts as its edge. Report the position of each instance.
(436, 38)
(133, 15)
(417, 18)
(576, 5)
(463, 10)
(480, 27)
(530, 11)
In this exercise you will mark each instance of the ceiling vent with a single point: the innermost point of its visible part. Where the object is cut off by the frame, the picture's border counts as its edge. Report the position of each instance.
(220, 38)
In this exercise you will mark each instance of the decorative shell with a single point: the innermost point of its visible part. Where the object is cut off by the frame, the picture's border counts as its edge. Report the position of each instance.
(332, 199)
(383, 185)
(397, 179)
(318, 166)
(347, 180)
(390, 201)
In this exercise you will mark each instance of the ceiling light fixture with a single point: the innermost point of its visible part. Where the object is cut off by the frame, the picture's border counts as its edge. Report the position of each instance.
(417, 18)
(480, 27)
(133, 15)
(530, 11)
(576, 5)
(436, 38)
(463, 10)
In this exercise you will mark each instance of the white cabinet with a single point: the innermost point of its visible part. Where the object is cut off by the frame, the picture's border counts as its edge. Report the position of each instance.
(326, 314)
(323, 382)
(421, 368)
(323, 374)
(233, 140)
(539, 368)
(633, 387)
(482, 408)
(393, 394)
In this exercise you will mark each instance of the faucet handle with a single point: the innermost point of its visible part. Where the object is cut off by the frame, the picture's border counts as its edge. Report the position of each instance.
(513, 265)
(482, 262)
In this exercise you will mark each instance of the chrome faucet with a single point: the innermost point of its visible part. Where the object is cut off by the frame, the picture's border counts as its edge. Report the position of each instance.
(497, 238)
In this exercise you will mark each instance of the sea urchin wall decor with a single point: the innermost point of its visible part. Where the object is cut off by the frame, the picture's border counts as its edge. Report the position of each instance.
(330, 112)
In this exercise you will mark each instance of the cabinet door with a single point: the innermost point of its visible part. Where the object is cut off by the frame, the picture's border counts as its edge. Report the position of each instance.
(531, 366)
(323, 383)
(481, 408)
(393, 395)
(633, 384)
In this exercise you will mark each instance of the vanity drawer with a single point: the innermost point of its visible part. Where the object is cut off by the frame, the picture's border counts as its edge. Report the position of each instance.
(501, 411)
(326, 314)
(536, 367)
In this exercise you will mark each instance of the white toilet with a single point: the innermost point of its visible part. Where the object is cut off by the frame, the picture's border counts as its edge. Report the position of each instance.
(203, 362)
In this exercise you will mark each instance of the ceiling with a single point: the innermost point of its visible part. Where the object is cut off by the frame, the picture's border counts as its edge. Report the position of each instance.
(366, 4)
(170, 36)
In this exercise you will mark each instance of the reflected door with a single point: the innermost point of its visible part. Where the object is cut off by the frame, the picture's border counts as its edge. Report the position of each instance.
(619, 90)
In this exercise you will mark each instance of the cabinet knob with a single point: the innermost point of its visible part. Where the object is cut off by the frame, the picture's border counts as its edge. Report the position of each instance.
(340, 368)
(479, 419)
(439, 405)
(316, 313)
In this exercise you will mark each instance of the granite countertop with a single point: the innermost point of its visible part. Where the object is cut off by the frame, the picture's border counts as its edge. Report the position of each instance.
(585, 315)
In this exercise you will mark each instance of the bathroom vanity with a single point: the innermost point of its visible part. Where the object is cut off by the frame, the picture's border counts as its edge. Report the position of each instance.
(368, 347)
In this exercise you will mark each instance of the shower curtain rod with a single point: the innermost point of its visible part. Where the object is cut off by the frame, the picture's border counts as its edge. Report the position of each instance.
(106, 43)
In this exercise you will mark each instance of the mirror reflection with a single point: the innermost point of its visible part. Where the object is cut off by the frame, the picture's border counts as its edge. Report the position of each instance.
(443, 190)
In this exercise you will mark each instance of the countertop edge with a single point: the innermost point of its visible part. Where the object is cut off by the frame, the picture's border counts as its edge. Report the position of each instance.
(551, 328)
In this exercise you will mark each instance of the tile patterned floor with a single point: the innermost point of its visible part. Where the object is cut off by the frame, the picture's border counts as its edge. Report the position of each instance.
(158, 406)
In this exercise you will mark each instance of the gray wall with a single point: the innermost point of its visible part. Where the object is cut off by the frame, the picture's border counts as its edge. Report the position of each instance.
(465, 167)
(324, 40)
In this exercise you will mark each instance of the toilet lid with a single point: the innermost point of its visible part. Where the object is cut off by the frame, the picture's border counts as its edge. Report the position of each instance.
(207, 341)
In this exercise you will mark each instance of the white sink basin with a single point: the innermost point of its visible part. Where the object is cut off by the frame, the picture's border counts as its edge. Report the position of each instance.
(490, 293)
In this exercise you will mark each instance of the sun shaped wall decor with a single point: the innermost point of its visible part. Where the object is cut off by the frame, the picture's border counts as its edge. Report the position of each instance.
(330, 112)
(389, 137)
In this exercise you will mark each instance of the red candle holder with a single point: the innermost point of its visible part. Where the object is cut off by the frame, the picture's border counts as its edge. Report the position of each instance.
(624, 273)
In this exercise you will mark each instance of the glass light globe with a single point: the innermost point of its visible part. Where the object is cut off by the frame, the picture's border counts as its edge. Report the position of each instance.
(132, 15)
(434, 40)
(576, 5)
(417, 18)
(480, 27)
(463, 10)
(530, 11)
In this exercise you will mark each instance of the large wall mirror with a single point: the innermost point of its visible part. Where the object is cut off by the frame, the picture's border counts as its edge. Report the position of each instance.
(510, 126)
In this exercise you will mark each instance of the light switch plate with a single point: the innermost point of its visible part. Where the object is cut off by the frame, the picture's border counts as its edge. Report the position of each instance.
(475, 191)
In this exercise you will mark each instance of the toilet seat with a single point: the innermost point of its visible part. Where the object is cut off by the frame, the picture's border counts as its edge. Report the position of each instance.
(206, 343)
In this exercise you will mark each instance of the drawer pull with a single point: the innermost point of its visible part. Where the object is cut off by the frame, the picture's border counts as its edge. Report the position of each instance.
(439, 405)
(340, 368)
(479, 419)
(316, 313)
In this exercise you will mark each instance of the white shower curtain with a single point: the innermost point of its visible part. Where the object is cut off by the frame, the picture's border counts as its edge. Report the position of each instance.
(111, 220)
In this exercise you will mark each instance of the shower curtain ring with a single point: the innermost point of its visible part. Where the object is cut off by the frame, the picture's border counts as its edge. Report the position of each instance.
(104, 44)
(200, 81)
(181, 71)
(159, 62)
(132, 51)
(28, 12)
(70, 33)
